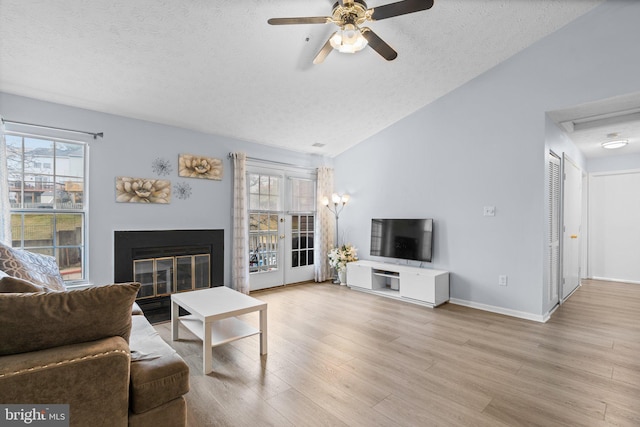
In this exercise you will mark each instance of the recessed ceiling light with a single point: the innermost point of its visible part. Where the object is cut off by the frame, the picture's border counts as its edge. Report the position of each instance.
(616, 143)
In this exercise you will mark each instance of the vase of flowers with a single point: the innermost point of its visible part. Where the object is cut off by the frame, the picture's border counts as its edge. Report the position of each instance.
(339, 257)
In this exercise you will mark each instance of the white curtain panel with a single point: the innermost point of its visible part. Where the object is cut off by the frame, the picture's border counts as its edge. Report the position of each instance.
(325, 227)
(240, 245)
(5, 213)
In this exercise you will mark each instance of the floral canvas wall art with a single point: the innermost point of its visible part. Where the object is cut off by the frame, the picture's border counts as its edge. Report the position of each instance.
(199, 167)
(142, 190)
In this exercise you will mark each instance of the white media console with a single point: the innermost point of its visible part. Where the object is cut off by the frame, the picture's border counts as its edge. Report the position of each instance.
(412, 284)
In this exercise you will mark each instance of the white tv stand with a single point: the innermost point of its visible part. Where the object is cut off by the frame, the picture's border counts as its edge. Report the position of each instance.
(412, 284)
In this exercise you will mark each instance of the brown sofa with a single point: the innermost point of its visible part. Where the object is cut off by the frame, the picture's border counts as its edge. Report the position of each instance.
(91, 349)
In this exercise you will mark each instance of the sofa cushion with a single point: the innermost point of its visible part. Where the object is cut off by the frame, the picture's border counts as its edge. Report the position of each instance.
(36, 268)
(158, 373)
(136, 310)
(35, 321)
(13, 284)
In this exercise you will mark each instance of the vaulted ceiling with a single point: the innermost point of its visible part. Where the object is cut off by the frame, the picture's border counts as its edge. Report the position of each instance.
(216, 66)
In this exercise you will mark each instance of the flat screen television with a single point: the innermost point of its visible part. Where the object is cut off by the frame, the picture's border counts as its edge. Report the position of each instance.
(410, 239)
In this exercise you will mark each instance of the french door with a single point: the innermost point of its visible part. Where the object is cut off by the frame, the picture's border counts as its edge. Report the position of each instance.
(299, 232)
(281, 228)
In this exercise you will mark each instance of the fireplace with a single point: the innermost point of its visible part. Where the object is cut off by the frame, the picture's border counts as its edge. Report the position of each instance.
(169, 261)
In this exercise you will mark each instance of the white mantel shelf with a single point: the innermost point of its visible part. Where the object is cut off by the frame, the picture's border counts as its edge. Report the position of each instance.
(402, 282)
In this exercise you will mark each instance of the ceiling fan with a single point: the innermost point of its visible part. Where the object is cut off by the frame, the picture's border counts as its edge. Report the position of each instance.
(349, 15)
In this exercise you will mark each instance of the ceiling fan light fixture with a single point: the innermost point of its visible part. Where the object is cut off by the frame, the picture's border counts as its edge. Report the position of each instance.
(348, 39)
(617, 143)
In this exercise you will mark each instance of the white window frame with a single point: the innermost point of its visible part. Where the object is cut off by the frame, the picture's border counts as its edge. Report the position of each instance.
(57, 136)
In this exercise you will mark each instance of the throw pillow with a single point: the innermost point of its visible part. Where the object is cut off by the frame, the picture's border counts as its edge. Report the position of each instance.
(36, 268)
(13, 284)
(36, 321)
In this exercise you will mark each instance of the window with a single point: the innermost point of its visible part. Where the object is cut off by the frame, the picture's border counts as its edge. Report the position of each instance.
(47, 184)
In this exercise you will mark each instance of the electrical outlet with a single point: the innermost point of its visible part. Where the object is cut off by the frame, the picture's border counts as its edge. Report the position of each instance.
(489, 211)
(502, 280)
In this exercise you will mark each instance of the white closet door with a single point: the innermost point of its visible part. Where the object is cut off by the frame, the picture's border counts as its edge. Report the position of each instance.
(554, 230)
(572, 218)
(614, 226)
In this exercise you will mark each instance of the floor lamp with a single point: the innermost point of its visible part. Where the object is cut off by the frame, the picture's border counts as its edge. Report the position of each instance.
(339, 202)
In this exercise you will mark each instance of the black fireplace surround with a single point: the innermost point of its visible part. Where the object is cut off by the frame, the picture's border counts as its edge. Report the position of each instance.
(131, 245)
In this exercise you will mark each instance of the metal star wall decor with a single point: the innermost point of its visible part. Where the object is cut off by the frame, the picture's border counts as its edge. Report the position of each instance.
(162, 167)
(182, 190)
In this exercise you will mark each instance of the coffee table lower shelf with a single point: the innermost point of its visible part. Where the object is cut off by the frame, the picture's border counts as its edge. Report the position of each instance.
(222, 331)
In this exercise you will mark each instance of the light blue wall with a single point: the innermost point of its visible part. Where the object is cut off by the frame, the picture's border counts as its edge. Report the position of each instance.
(484, 145)
(128, 148)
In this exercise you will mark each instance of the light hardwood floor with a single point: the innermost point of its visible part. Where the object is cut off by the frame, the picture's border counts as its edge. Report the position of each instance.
(339, 357)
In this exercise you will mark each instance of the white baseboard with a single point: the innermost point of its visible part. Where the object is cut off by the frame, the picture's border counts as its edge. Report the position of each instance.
(608, 279)
(502, 310)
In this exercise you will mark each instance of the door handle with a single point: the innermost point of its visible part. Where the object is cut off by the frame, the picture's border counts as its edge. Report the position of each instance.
(282, 236)
(574, 236)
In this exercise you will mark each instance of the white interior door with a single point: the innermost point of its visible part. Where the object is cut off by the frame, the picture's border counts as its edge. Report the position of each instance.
(614, 229)
(553, 293)
(572, 218)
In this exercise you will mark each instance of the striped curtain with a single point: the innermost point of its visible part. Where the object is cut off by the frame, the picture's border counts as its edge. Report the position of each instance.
(240, 245)
(324, 226)
(5, 213)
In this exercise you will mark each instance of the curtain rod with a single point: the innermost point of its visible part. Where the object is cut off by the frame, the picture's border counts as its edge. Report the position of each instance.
(274, 162)
(94, 134)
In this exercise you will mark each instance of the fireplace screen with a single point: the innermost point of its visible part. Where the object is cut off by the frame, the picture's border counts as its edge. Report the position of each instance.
(166, 275)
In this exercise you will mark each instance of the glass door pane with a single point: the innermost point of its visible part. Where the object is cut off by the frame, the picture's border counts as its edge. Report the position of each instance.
(164, 276)
(301, 240)
(184, 276)
(266, 239)
(201, 268)
(143, 273)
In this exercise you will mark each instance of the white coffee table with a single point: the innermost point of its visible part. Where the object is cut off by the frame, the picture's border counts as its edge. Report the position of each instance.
(213, 320)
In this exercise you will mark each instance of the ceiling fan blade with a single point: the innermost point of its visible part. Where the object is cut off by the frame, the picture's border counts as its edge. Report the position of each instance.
(326, 50)
(379, 45)
(400, 8)
(293, 21)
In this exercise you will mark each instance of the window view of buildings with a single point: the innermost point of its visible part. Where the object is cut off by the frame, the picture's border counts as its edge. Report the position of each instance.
(46, 192)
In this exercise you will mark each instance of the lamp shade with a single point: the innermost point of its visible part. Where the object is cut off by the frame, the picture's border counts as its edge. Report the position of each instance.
(349, 39)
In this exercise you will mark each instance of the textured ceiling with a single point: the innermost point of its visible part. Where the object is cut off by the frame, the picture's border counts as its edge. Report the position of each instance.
(216, 65)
